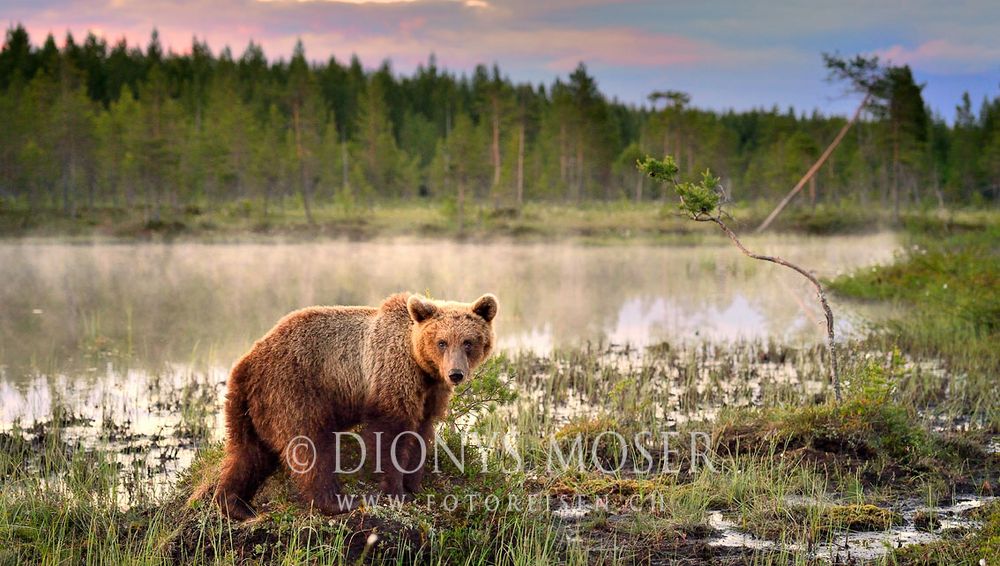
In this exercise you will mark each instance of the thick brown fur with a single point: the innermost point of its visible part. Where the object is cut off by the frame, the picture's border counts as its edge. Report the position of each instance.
(322, 370)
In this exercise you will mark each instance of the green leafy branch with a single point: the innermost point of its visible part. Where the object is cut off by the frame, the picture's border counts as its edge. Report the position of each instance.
(700, 201)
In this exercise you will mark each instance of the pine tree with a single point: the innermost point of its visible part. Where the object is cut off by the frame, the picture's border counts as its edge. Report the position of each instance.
(158, 148)
(307, 122)
(71, 128)
(376, 150)
(908, 121)
(118, 132)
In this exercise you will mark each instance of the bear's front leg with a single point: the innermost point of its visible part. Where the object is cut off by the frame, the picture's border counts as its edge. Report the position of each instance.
(413, 480)
(382, 434)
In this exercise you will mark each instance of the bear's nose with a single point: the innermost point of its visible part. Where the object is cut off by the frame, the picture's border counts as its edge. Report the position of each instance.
(456, 376)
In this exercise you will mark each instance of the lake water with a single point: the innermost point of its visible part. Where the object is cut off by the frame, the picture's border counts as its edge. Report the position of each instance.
(131, 343)
(94, 324)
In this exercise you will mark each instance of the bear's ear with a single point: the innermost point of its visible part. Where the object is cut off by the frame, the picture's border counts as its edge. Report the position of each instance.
(420, 308)
(486, 307)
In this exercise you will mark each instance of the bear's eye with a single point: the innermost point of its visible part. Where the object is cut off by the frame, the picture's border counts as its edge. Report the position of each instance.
(467, 345)
(442, 345)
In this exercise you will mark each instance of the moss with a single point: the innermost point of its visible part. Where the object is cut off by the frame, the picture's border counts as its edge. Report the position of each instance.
(450, 520)
(989, 537)
(601, 485)
(598, 438)
(586, 427)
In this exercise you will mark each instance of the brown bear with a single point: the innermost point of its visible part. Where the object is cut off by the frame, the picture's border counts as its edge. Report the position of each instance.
(322, 370)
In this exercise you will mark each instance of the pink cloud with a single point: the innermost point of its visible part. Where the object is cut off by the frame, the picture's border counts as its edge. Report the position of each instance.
(411, 25)
(555, 49)
(561, 49)
(460, 36)
(944, 56)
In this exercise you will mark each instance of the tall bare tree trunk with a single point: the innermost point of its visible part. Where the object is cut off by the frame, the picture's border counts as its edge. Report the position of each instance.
(300, 155)
(578, 190)
(460, 203)
(268, 187)
(447, 151)
(69, 181)
(68, 145)
(937, 188)
(895, 172)
(496, 143)
(91, 197)
(885, 182)
(562, 152)
(345, 180)
(688, 149)
(154, 184)
(130, 193)
(520, 167)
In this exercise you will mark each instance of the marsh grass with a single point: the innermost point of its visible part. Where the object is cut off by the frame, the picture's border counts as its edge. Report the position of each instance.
(70, 511)
(799, 473)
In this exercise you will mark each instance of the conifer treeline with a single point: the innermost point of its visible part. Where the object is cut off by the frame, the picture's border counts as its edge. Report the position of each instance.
(93, 124)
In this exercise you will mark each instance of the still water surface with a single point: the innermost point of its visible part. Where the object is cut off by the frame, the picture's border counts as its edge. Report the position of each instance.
(107, 329)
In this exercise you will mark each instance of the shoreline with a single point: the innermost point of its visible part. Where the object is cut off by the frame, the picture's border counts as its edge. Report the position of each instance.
(588, 224)
(706, 238)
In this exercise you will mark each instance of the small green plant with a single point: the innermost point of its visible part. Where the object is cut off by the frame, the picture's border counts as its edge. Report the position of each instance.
(483, 394)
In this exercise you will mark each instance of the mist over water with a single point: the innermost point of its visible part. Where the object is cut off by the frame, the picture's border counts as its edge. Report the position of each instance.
(100, 327)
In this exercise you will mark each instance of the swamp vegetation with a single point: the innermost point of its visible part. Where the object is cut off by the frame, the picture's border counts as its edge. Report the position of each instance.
(903, 471)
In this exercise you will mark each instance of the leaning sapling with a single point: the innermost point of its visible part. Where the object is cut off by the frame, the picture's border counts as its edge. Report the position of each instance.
(702, 201)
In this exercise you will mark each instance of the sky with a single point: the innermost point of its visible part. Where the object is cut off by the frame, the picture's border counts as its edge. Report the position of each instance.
(726, 54)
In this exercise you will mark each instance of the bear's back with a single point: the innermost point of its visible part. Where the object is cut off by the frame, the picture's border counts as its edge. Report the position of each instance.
(317, 351)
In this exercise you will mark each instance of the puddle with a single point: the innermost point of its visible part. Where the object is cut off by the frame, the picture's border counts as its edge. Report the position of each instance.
(851, 545)
(731, 537)
(150, 429)
(994, 445)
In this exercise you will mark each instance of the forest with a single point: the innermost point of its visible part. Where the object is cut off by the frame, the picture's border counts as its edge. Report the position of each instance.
(110, 125)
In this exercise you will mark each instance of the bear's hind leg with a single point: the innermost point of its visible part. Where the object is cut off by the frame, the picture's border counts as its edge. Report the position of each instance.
(318, 484)
(244, 469)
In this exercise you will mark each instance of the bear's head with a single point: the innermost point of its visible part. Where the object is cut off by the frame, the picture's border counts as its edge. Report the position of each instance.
(451, 339)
